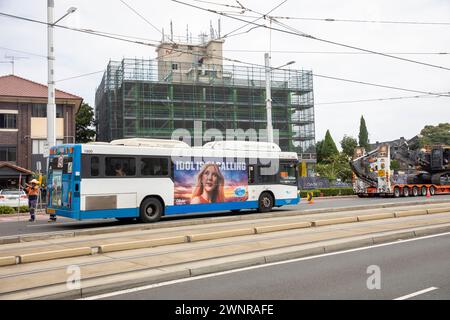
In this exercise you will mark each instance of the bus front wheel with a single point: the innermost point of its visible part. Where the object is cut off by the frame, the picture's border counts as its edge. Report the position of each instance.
(151, 210)
(265, 202)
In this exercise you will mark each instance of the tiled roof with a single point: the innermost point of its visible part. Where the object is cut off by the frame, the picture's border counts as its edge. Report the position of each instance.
(14, 86)
(14, 167)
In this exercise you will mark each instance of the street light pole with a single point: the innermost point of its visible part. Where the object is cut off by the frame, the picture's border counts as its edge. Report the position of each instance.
(268, 98)
(269, 94)
(51, 106)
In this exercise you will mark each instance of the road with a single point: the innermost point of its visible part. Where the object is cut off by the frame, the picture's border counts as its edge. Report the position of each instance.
(9, 228)
(410, 269)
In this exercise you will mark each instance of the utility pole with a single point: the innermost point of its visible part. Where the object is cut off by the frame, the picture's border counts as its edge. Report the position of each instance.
(51, 106)
(268, 98)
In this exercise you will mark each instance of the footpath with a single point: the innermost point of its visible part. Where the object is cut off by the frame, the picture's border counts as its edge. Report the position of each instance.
(118, 258)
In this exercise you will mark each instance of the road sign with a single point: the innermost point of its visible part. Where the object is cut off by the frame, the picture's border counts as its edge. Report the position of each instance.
(45, 151)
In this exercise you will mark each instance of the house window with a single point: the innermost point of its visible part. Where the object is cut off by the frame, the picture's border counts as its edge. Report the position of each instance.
(7, 153)
(8, 121)
(174, 66)
(39, 110)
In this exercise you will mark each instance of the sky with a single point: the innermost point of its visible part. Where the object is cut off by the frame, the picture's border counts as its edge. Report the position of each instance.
(78, 54)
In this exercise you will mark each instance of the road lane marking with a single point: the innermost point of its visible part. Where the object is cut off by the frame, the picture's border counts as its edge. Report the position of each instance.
(216, 274)
(417, 293)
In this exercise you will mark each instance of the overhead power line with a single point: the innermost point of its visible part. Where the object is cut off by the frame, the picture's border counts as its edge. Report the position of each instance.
(92, 32)
(81, 75)
(378, 85)
(335, 52)
(378, 99)
(244, 9)
(354, 20)
(300, 34)
(25, 52)
(141, 16)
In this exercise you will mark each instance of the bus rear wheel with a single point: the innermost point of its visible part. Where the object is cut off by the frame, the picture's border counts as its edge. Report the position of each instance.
(265, 202)
(151, 210)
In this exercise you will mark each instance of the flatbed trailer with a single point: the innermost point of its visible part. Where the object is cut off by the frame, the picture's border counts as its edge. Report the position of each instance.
(373, 176)
(407, 190)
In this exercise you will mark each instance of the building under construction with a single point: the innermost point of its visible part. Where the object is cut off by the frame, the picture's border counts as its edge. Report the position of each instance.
(187, 83)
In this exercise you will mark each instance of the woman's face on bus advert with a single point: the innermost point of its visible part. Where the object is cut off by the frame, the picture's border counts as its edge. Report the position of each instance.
(209, 179)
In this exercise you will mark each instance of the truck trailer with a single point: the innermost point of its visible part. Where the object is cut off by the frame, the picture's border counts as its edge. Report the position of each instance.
(428, 171)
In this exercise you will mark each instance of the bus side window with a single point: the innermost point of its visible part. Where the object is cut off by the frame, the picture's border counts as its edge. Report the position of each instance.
(95, 167)
(154, 166)
(251, 174)
(264, 177)
(120, 167)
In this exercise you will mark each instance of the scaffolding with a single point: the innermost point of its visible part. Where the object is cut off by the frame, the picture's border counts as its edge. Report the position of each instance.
(152, 98)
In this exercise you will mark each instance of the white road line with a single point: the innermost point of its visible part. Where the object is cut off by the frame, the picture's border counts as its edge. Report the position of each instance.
(162, 284)
(417, 293)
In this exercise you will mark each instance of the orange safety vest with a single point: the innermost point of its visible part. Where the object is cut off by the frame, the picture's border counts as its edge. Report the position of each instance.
(32, 191)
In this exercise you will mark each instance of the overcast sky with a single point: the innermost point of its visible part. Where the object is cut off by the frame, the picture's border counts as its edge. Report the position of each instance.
(78, 54)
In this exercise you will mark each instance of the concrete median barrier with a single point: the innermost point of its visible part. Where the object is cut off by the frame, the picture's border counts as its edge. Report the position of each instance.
(345, 244)
(55, 254)
(326, 222)
(438, 210)
(129, 280)
(225, 264)
(140, 244)
(221, 234)
(7, 261)
(9, 239)
(282, 227)
(393, 236)
(376, 216)
(46, 236)
(408, 213)
(203, 220)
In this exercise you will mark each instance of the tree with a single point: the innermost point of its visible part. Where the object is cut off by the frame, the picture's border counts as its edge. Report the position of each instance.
(439, 134)
(348, 145)
(319, 145)
(328, 147)
(337, 166)
(363, 134)
(84, 122)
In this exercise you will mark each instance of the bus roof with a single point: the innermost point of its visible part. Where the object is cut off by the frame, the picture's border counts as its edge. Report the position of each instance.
(140, 146)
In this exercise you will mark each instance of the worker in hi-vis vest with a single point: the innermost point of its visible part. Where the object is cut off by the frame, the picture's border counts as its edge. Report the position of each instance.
(33, 193)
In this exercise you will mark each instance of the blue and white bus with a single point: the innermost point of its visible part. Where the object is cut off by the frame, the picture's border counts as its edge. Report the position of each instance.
(146, 179)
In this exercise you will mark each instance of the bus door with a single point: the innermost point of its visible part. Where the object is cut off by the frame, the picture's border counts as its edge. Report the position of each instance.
(60, 182)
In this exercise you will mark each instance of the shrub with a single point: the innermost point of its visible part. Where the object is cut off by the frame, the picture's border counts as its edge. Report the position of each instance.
(6, 210)
(24, 209)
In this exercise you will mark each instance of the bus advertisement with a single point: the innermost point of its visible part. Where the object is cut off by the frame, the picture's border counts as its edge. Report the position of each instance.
(147, 179)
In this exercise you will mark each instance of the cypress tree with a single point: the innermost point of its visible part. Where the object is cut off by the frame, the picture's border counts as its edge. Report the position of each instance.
(328, 147)
(363, 134)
